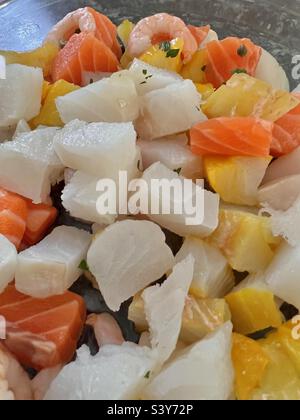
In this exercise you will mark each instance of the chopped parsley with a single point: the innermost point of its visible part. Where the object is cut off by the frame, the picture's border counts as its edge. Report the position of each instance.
(242, 51)
(172, 53)
(84, 266)
(239, 71)
(143, 83)
(145, 71)
(178, 170)
(165, 46)
(147, 376)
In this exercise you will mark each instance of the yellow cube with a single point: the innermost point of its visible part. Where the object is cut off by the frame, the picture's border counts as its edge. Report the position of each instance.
(253, 310)
(245, 96)
(245, 239)
(124, 30)
(49, 115)
(236, 179)
(195, 69)
(166, 55)
(42, 57)
(250, 362)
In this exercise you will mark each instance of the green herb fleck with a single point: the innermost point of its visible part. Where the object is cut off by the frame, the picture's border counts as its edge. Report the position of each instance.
(147, 376)
(149, 77)
(145, 72)
(178, 170)
(143, 83)
(203, 68)
(239, 71)
(84, 266)
(172, 53)
(165, 46)
(242, 50)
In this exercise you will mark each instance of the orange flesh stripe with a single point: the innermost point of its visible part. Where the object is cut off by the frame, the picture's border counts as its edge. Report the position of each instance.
(83, 52)
(40, 218)
(286, 133)
(199, 33)
(228, 56)
(107, 32)
(236, 136)
(55, 323)
(13, 216)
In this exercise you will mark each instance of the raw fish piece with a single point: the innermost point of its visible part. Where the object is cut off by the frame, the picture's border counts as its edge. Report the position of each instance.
(159, 119)
(286, 223)
(42, 333)
(22, 127)
(203, 371)
(270, 71)
(8, 262)
(232, 136)
(281, 193)
(52, 266)
(213, 278)
(29, 164)
(13, 216)
(109, 100)
(164, 307)
(99, 149)
(230, 55)
(208, 204)
(20, 93)
(115, 373)
(154, 77)
(282, 275)
(284, 166)
(80, 196)
(126, 258)
(174, 153)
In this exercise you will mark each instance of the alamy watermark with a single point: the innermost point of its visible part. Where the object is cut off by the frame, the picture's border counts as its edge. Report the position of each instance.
(176, 196)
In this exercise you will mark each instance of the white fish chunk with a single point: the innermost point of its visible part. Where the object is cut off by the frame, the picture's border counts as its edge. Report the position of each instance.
(282, 275)
(171, 110)
(177, 221)
(203, 371)
(281, 193)
(21, 128)
(164, 305)
(99, 149)
(115, 373)
(148, 78)
(284, 166)
(110, 100)
(174, 153)
(20, 94)
(51, 267)
(8, 262)
(126, 257)
(213, 277)
(29, 164)
(270, 71)
(80, 197)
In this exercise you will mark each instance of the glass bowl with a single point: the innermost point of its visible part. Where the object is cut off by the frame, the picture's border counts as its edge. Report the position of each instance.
(273, 24)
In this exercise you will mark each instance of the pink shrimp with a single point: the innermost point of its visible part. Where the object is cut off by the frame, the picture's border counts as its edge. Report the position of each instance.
(81, 19)
(107, 330)
(158, 28)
